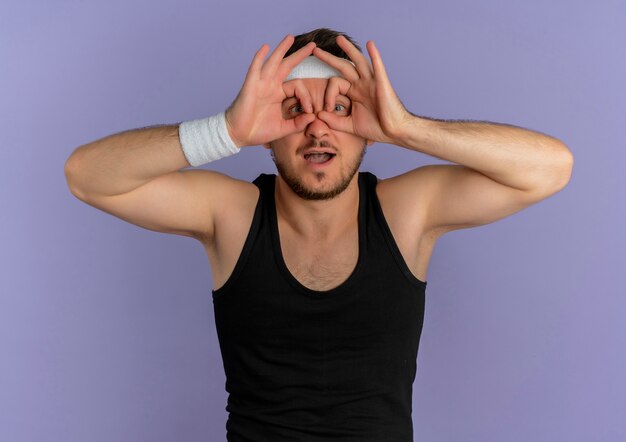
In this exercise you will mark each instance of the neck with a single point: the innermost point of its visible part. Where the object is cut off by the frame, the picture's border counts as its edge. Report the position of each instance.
(317, 219)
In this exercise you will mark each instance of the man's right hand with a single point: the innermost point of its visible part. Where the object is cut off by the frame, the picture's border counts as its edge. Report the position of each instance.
(255, 117)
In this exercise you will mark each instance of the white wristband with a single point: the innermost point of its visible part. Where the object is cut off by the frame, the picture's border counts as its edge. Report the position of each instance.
(206, 139)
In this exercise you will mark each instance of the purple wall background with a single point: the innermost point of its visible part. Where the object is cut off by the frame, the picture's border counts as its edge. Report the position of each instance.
(107, 330)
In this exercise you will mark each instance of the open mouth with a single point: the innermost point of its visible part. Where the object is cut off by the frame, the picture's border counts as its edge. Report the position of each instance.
(319, 158)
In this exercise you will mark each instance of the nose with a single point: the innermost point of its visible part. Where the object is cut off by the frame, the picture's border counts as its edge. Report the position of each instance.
(317, 128)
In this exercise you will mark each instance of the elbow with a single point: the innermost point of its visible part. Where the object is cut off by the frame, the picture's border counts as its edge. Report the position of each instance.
(554, 175)
(70, 170)
(566, 165)
(561, 173)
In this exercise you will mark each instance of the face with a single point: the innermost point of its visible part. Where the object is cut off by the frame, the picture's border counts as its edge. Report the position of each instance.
(305, 177)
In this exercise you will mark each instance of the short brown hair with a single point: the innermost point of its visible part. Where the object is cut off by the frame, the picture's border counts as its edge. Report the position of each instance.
(325, 39)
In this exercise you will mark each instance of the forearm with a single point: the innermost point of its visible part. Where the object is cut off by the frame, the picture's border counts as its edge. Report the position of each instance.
(122, 162)
(513, 156)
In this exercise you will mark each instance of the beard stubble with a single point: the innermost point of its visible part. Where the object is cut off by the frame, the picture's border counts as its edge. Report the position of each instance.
(298, 187)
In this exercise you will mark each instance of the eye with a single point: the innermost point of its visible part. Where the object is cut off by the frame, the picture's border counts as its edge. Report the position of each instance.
(341, 108)
(296, 106)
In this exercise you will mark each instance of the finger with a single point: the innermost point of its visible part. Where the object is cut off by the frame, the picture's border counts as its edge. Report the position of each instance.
(296, 88)
(257, 61)
(290, 62)
(269, 68)
(302, 121)
(335, 86)
(297, 124)
(362, 65)
(377, 61)
(335, 122)
(345, 68)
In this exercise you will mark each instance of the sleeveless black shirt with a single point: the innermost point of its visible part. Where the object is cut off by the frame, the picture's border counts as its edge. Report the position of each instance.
(307, 365)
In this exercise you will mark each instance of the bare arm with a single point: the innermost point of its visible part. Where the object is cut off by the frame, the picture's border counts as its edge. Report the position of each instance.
(501, 170)
(136, 175)
(122, 162)
(512, 156)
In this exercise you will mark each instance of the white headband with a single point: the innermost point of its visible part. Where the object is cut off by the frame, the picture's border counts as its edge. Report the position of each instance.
(313, 67)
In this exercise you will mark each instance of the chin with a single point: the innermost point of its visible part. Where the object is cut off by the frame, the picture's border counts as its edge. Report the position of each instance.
(322, 188)
(322, 191)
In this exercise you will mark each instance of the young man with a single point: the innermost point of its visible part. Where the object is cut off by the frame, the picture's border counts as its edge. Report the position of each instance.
(319, 273)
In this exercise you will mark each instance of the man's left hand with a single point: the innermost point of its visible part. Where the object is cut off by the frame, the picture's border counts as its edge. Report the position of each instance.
(377, 113)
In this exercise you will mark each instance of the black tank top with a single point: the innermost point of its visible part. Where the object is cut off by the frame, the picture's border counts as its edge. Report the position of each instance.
(307, 365)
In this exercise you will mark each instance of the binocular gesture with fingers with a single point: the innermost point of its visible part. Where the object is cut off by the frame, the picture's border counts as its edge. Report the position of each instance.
(255, 116)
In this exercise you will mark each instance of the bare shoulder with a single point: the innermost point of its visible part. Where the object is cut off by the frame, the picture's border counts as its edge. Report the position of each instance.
(232, 204)
(404, 198)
